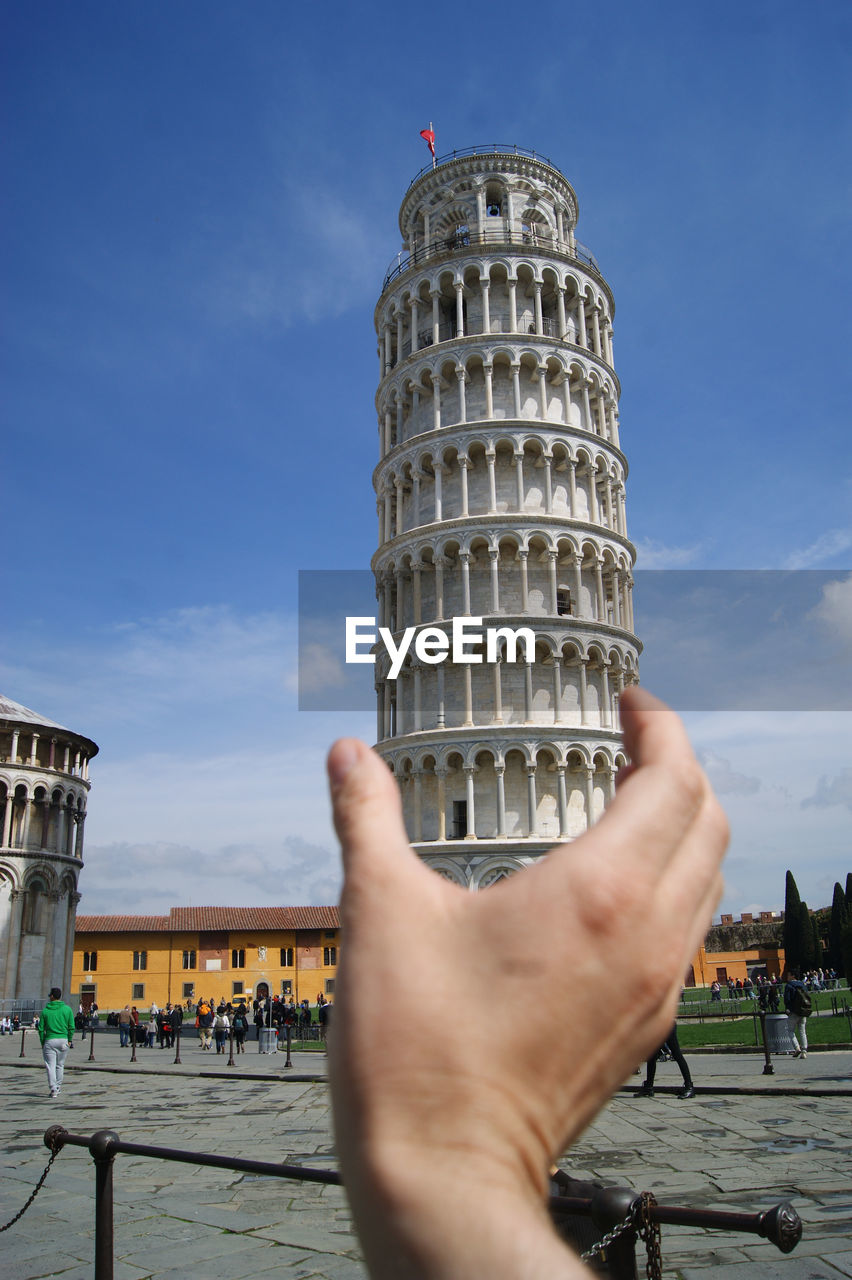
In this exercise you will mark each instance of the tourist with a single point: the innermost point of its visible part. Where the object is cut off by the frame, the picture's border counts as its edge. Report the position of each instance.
(797, 1005)
(670, 1049)
(240, 1024)
(56, 1033)
(125, 1022)
(445, 1142)
(221, 1027)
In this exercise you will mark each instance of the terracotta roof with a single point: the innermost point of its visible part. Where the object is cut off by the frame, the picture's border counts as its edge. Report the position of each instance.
(194, 919)
(187, 919)
(122, 924)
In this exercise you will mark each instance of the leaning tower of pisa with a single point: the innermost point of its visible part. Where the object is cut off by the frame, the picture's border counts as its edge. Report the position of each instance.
(500, 489)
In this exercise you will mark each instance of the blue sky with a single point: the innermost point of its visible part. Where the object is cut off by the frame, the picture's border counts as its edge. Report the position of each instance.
(200, 202)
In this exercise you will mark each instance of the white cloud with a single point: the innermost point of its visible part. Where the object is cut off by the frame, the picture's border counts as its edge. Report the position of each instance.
(835, 609)
(832, 791)
(656, 555)
(827, 547)
(724, 779)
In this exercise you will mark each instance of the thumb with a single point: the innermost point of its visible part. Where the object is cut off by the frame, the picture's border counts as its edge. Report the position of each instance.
(367, 812)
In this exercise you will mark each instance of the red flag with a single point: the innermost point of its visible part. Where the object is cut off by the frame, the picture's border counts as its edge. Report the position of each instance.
(429, 136)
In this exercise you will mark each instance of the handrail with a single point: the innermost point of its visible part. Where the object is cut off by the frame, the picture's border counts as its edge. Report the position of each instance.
(486, 149)
(779, 1224)
(494, 236)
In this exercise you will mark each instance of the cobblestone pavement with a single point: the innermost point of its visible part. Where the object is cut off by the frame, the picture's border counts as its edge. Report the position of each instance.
(723, 1149)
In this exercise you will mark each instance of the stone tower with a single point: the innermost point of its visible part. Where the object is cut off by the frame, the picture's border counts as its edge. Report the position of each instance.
(44, 784)
(500, 490)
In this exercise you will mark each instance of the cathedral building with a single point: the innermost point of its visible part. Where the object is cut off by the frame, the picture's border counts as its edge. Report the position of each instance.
(501, 501)
(44, 786)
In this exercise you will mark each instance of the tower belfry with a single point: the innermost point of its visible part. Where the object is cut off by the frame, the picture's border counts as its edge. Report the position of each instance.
(500, 490)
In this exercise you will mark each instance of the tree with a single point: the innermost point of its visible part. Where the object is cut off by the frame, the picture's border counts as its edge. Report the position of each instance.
(792, 930)
(839, 919)
(846, 952)
(849, 891)
(805, 945)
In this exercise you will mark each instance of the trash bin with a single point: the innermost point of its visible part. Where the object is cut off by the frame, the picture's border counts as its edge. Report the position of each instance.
(778, 1038)
(268, 1040)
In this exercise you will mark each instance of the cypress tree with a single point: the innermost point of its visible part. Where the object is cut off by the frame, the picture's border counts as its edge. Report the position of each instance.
(792, 928)
(846, 952)
(804, 940)
(839, 917)
(849, 891)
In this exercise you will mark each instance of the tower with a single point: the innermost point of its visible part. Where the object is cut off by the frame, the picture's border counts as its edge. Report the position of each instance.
(500, 496)
(44, 784)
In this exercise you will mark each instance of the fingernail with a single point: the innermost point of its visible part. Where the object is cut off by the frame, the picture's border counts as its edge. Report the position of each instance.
(341, 758)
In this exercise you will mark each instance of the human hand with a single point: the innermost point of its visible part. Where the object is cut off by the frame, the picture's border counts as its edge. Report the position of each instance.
(512, 1014)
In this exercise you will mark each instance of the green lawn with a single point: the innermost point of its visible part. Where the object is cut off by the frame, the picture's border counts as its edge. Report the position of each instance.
(825, 1030)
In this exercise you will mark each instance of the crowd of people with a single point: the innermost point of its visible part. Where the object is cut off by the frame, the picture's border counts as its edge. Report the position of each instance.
(213, 1019)
(767, 991)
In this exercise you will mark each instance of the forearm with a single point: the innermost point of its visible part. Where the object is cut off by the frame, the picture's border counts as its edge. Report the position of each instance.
(422, 1223)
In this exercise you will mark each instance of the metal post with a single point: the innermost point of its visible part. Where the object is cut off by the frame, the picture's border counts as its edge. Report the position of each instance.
(23, 1037)
(610, 1206)
(133, 1041)
(91, 1056)
(177, 1061)
(768, 1069)
(101, 1148)
(289, 1030)
(231, 1062)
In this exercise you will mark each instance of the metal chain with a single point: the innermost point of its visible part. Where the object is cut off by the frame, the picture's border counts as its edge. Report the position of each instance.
(38, 1186)
(638, 1220)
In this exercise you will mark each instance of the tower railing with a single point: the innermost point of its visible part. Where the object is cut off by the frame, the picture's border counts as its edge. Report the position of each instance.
(487, 149)
(462, 239)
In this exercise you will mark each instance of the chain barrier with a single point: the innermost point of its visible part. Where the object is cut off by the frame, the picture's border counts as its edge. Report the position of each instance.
(638, 1221)
(55, 1149)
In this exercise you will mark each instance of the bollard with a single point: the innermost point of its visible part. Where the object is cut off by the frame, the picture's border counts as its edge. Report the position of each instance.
(231, 1062)
(768, 1069)
(289, 1029)
(101, 1148)
(133, 1042)
(23, 1037)
(91, 1056)
(177, 1061)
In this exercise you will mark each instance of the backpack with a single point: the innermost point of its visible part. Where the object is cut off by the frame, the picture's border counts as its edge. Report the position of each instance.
(800, 1002)
(203, 1008)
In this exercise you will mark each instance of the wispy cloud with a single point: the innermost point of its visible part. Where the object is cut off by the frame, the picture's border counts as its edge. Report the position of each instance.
(827, 547)
(835, 609)
(832, 791)
(656, 555)
(725, 779)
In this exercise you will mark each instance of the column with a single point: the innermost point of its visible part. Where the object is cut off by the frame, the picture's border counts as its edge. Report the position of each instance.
(418, 804)
(436, 402)
(615, 587)
(566, 397)
(459, 309)
(562, 792)
(465, 558)
(581, 322)
(590, 794)
(593, 494)
(79, 818)
(599, 591)
(596, 332)
(532, 802)
(488, 371)
(13, 758)
(399, 337)
(414, 322)
(542, 392)
(438, 469)
(494, 557)
(519, 480)
(523, 556)
(464, 464)
(398, 485)
(388, 357)
(486, 305)
(577, 566)
(513, 306)
(551, 572)
(400, 599)
(548, 484)
(584, 695)
(608, 502)
(606, 700)
(560, 303)
(491, 460)
(441, 716)
(587, 408)
(417, 592)
(469, 771)
(498, 692)
(418, 697)
(462, 379)
(441, 775)
(500, 770)
(528, 693)
(435, 295)
(34, 749)
(572, 486)
(400, 416)
(416, 477)
(440, 563)
(516, 388)
(539, 325)
(557, 689)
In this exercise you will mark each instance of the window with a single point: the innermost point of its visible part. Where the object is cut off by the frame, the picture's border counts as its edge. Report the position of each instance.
(563, 602)
(90, 961)
(459, 819)
(286, 987)
(238, 958)
(329, 986)
(189, 960)
(236, 988)
(329, 955)
(286, 957)
(330, 935)
(138, 991)
(140, 959)
(188, 990)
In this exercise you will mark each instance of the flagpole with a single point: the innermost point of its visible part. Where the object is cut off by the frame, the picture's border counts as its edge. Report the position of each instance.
(432, 131)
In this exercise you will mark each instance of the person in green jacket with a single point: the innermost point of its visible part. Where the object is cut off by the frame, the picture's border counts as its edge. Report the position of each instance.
(56, 1033)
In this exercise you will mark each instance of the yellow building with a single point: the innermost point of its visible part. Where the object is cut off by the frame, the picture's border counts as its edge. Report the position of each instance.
(216, 952)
